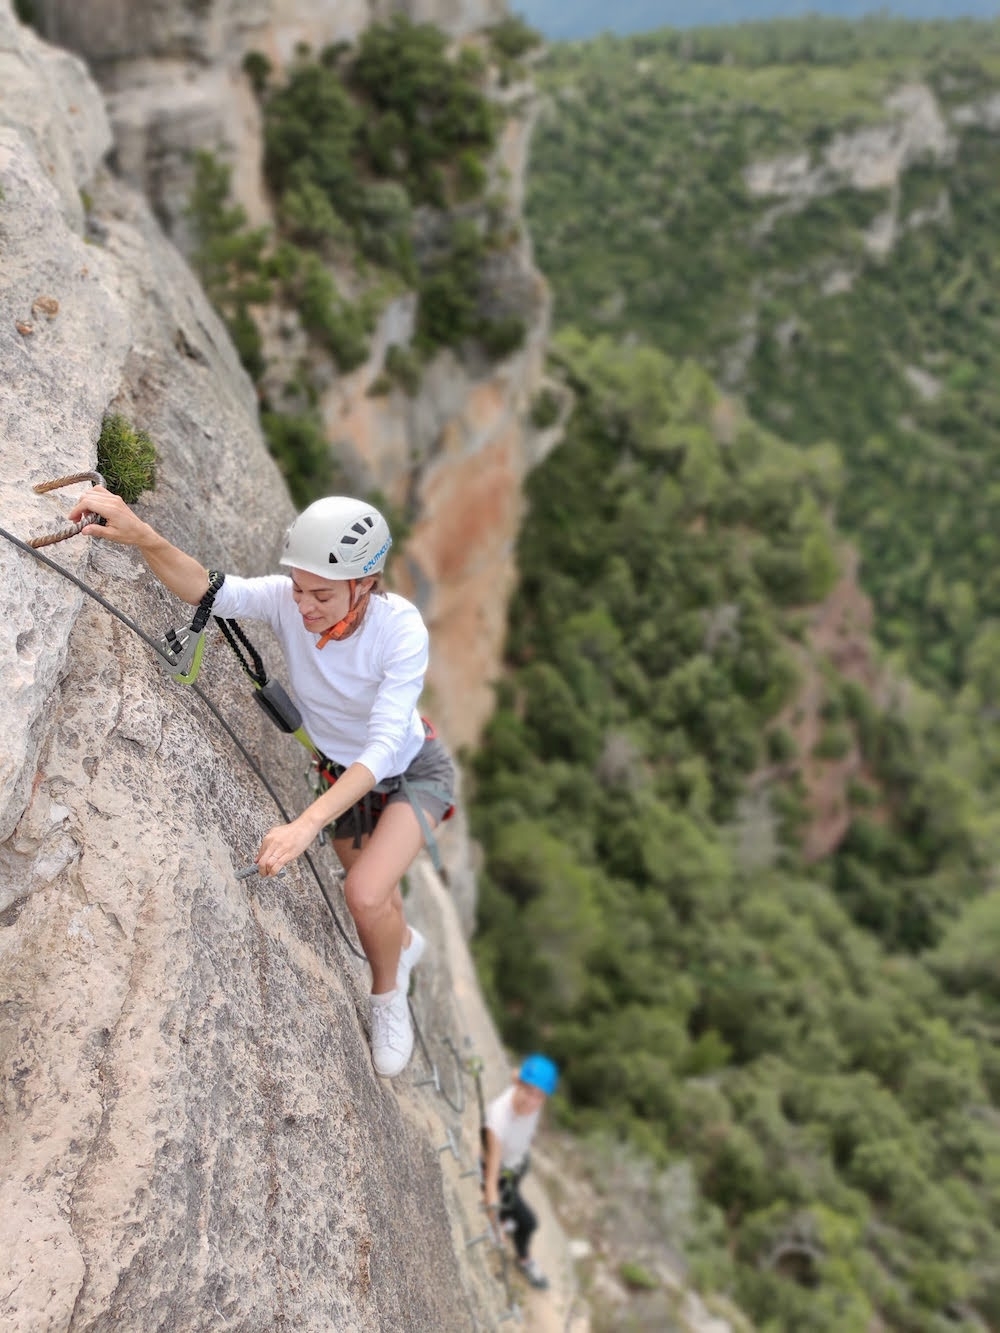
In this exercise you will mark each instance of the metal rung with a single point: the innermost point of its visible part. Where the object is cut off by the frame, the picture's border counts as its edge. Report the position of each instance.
(434, 1080)
(449, 1144)
(478, 1240)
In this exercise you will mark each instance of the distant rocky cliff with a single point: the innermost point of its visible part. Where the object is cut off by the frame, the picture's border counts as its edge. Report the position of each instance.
(870, 159)
(191, 1133)
(171, 72)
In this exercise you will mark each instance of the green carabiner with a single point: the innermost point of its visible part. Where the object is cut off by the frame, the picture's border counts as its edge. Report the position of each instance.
(180, 653)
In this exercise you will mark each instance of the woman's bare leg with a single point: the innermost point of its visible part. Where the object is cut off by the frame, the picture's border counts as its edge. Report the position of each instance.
(371, 888)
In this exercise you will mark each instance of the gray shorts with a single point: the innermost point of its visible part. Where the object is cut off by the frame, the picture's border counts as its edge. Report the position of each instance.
(431, 782)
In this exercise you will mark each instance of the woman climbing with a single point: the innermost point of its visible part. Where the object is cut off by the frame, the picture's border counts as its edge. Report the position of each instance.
(356, 657)
(509, 1126)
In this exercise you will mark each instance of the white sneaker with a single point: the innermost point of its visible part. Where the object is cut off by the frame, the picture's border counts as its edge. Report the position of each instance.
(533, 1273)
(408, 960)
(392, 1033)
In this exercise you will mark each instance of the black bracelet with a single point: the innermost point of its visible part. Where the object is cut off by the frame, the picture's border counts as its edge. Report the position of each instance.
(215, 582)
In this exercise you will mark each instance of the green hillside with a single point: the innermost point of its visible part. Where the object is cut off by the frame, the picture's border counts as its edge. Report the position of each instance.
(813, 1025)
(644, 224)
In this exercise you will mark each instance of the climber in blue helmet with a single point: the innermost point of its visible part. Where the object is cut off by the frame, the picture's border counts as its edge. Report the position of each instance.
(510, 1123)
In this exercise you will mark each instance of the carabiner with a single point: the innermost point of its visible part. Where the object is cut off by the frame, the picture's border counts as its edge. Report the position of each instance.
(180, 653)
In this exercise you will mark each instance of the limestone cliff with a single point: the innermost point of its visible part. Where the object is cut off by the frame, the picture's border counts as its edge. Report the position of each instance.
(172, 72)
(456, 454)
(191, 1132)
(873, 158)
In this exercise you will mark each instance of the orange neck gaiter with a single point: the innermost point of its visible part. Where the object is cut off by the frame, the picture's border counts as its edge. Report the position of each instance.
(349, 623)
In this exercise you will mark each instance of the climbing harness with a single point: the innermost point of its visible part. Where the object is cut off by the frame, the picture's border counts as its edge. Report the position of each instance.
(274, 700)
(73, 528)
(366, 812)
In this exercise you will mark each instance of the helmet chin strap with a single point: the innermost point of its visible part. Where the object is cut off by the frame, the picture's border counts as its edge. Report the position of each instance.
(350, 621)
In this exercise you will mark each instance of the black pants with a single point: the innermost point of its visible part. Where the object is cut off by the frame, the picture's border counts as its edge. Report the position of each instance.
(514, 1209)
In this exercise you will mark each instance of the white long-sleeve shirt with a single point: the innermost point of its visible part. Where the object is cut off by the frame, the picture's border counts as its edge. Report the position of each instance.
(358, 697)
(515, 1132)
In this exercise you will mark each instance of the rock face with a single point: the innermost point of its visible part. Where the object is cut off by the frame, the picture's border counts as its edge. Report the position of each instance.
(868, 159)
(191, 1131)
(873, 158)
(171, 71)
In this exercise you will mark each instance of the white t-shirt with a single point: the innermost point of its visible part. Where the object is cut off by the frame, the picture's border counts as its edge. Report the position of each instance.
(358, 697)
(515, 1132)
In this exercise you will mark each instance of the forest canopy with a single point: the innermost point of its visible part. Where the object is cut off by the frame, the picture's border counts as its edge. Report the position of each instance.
(812, 1025)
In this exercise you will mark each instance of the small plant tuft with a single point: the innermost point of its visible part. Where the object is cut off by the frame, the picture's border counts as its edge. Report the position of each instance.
(126, 458)
(402, 365)
(834, 743)
(512, 38)
(258, 69)
(637, 1278)
(545, 409)
(380, 386)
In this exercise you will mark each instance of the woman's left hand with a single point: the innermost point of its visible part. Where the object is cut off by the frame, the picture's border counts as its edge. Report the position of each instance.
(282, 844)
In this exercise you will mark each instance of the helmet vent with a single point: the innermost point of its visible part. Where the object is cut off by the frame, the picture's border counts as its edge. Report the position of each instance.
(348, 540)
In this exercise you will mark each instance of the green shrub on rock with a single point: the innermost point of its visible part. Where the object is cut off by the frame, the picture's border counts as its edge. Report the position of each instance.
(126, 458)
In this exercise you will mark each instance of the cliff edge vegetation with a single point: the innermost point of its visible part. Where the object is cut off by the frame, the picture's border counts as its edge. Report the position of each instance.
(738, 799)
(378, 160)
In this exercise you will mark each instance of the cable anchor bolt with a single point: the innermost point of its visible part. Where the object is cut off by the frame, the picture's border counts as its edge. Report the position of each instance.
(253, 869)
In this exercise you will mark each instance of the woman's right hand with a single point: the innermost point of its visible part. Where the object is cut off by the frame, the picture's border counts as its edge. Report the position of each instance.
(492, 1211)
(120, 524)
(181, 573)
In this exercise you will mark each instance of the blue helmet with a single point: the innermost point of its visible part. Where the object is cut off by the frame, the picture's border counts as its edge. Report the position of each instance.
(540, 1072)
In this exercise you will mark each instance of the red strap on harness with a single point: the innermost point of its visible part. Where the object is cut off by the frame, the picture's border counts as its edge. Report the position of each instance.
(329, 777)
(430, 733)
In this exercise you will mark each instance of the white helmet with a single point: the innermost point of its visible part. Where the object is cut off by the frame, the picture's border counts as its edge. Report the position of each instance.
(338, 538)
